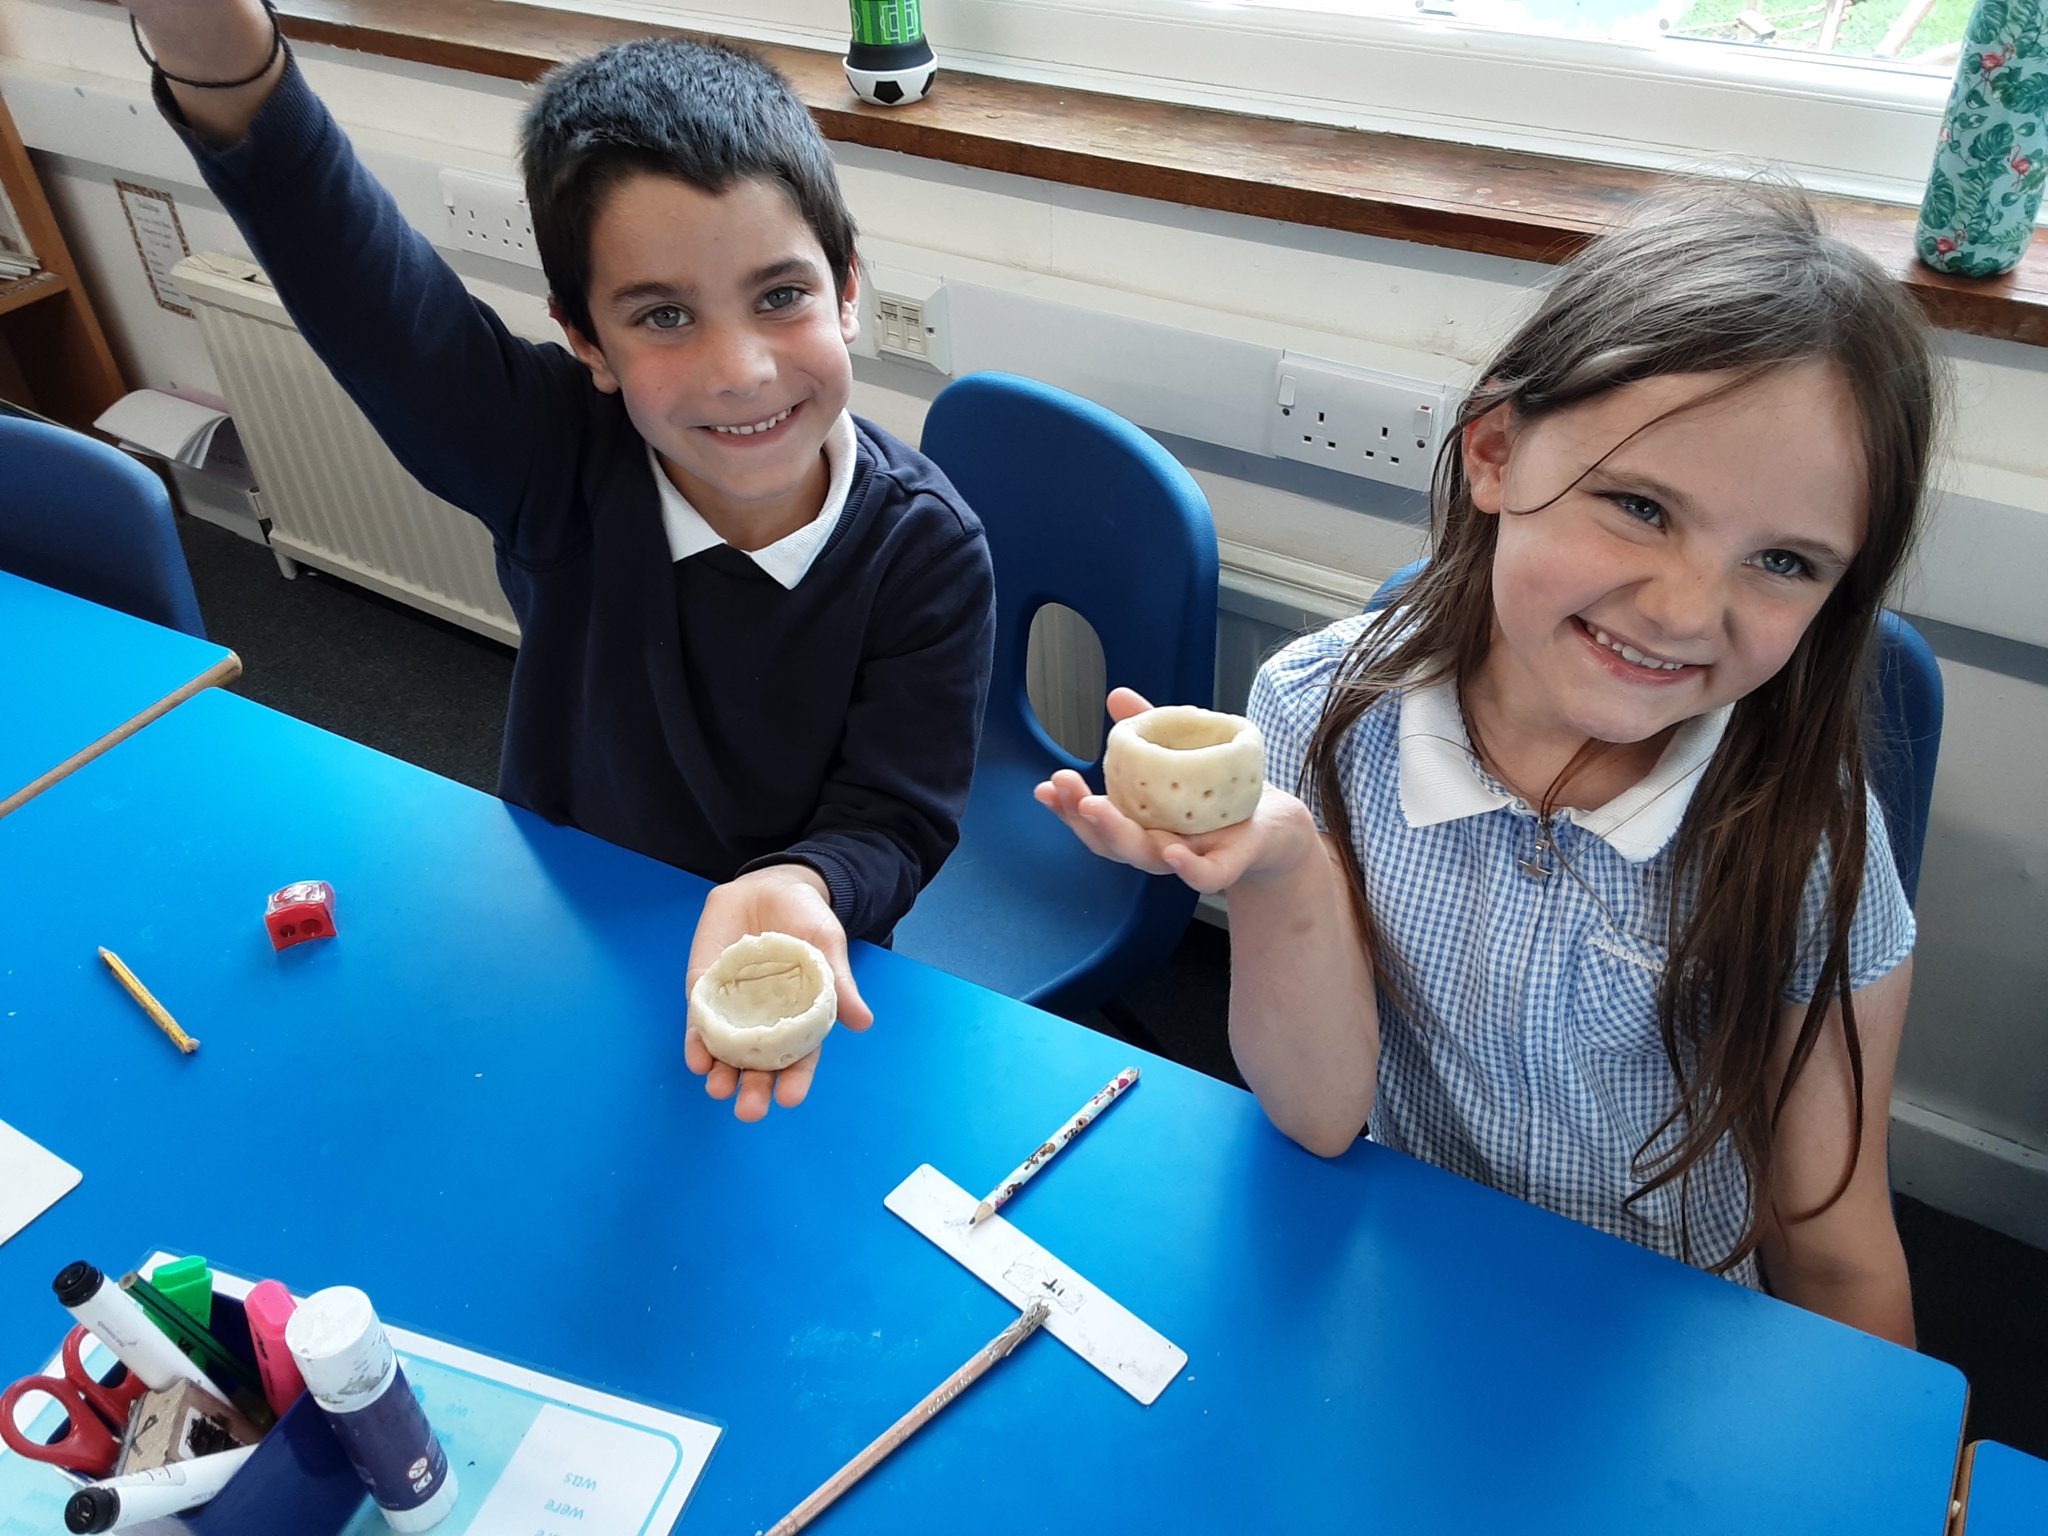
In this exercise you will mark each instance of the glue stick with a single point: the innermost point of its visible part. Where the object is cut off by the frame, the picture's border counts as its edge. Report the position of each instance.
(354, 1375)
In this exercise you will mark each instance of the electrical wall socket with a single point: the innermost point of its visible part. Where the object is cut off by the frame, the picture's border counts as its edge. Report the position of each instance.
(488, 214)
(905, 318)
(1354, 420)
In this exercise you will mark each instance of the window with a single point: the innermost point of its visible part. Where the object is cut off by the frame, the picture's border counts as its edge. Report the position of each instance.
(1922, 34)
(1716, 84)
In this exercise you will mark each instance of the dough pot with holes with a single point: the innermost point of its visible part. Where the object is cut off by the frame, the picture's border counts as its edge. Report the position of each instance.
(1182, 769)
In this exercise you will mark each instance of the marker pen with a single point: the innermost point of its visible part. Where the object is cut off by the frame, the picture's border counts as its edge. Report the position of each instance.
(354, 1375)
(268, 1307)
(116, 1502)
(113, 1317)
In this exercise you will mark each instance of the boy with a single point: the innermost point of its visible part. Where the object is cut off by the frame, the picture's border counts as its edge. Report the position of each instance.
(755, 632)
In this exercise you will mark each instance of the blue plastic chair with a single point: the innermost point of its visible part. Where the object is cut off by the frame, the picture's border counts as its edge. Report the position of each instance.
(1390, 589)
(1902, 739)
(81, 516)
(1085, 510)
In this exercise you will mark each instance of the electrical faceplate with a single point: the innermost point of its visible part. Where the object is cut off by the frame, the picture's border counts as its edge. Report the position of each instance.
(1355, 421)
(905, 318)
(488, 214)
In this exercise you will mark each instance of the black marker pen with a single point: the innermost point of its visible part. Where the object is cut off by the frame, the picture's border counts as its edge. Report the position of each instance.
(112, 1316)
(117, 1502)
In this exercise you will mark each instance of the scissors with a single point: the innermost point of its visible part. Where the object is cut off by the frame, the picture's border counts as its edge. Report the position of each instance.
(95, 1413)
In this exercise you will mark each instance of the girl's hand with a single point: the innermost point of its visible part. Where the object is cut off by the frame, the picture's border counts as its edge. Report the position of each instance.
(1278, 836)
(782, 898)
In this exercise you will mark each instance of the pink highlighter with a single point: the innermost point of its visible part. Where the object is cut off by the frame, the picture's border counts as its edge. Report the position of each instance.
(268, 1306)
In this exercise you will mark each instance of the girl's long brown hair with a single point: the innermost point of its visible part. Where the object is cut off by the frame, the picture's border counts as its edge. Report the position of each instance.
(1737, 281)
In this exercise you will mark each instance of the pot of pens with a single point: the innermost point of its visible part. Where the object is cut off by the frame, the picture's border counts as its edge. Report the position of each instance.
(219, 1416)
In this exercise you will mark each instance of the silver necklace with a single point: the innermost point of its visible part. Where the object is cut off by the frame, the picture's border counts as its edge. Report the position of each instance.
(1537, 866)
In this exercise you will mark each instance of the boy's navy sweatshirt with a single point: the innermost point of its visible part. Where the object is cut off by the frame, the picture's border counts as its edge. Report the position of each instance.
(696, 711)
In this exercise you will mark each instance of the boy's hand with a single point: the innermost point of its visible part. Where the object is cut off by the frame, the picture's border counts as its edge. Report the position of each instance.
(783, 898)
(218, 40)
(1279, 834)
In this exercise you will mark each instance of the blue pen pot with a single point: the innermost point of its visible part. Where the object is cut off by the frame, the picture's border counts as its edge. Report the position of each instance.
(299, 1482)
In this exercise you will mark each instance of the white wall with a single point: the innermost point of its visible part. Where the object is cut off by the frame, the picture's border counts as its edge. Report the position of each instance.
(1972, 1113)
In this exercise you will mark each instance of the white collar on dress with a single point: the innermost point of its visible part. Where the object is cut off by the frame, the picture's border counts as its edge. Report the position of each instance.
(789, 557)
(1440, 781)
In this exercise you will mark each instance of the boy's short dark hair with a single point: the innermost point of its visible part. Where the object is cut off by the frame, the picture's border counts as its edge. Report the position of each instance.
(703, 113)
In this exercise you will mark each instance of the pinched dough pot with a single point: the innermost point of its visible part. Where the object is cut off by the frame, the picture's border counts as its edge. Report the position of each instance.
(1182, 769)
(764, 1003)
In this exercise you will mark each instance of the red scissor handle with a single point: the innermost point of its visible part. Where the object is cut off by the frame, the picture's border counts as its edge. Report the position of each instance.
(85, 1445)
(111, 1402)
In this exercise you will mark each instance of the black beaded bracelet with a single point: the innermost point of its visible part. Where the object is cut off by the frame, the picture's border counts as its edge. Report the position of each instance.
(276, 47)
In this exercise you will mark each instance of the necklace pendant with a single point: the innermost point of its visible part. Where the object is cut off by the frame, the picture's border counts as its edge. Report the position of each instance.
(1537, 865)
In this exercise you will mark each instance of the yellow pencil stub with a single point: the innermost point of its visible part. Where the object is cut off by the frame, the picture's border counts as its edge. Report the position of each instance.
(158, 1014)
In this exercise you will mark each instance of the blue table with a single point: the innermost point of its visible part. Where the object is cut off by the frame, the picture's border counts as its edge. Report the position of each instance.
(2006, 1492)
(473, 1103)
(78, 677)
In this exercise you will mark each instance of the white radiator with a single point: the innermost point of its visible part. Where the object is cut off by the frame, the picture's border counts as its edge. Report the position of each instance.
(335, 497)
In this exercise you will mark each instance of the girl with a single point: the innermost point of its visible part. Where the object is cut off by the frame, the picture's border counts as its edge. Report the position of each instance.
(1593, 904)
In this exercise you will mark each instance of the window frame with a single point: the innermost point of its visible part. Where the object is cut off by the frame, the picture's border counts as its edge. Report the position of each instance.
(1856, 127)
(1432, 193)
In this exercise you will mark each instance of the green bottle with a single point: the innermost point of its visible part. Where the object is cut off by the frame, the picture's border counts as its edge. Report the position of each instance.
(1992, 158)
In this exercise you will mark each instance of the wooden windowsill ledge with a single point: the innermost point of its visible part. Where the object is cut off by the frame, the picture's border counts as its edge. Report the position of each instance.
(1499, 202)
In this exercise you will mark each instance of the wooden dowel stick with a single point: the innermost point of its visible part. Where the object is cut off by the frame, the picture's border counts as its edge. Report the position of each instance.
(224, 671)
(1022, 1329)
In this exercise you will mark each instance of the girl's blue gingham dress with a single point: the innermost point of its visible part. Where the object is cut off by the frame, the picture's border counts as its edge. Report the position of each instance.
(1524, 1049)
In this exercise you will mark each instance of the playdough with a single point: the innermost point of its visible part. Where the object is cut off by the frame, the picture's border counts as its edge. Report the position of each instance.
(1183, 769)
(764, 1003)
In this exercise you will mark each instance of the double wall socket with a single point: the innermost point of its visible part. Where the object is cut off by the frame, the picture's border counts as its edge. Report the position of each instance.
(1354, 420)
(488, 214)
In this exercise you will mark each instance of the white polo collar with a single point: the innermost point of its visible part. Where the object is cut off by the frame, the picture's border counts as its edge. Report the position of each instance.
(789, 558)
(1441, 781)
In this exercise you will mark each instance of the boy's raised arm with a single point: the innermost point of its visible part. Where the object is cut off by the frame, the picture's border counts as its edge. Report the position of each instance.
(454, 395)
(214, 40)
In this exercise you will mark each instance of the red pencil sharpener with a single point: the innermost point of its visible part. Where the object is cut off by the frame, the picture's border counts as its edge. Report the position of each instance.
(301, 911)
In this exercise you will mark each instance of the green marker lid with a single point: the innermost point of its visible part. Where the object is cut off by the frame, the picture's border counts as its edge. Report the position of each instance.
(188, 1285)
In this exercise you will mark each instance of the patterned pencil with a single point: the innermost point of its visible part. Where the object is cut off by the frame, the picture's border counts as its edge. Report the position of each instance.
(158, 1014)
(1083, 1118)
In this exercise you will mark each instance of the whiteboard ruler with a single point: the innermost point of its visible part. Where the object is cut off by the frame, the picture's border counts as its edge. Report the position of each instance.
(1123, 1347)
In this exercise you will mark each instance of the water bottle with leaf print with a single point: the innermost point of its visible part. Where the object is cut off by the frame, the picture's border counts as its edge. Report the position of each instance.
(1992, 159)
